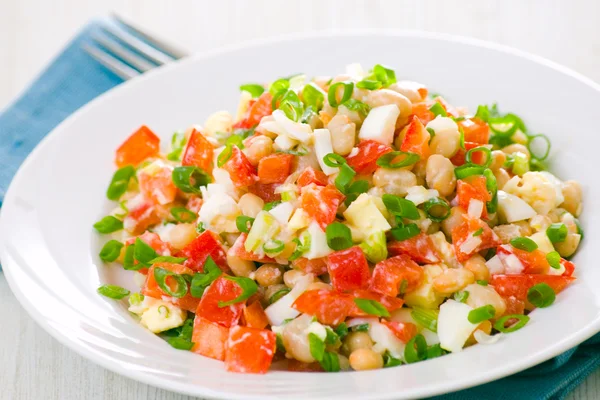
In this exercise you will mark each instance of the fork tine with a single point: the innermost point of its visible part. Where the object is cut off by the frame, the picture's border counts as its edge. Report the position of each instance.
(122, 52)
(161, 44)
(145, 49)
(119, 68)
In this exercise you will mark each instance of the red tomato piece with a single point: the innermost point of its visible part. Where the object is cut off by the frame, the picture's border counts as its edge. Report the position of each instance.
(420, 248)
(514, 306)
(517, 285)
(199, 152)
(249, 350)
(321, 203)
(221, 289)
(328, 306)
(265, 191)
(348, 269)
(275, 168)
(416, 138)
(569, 267)
(389, 302)
(316, 266)
(154, 241)
(402, 330)
(194, 203)
(241, 171)
(206, 244)
(460, 157)
(140, 218)
(475, 130)
(141, 145)
(421, 111)
(254, 316)
(151, 288)
(389, 274)
(238, 250)
(209, 338)
(472, 188)
(311, 175)
(365, 160)
(158, 186)
(534, 262)
(257, 110)
(465, 244)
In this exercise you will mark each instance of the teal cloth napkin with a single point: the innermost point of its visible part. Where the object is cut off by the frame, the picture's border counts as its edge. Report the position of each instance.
(74, 78)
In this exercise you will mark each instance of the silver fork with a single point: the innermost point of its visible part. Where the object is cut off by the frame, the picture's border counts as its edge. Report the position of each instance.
(125, 54)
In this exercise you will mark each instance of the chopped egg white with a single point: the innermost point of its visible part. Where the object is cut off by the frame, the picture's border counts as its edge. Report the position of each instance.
(541, 190)
(323, 147)
(296, 130)
(442, 124)
(158, 315)
(385, 340)
(453, 326)
(513, 208)
(283, 142)
(380, 124)
(299, 220)
(419, 194)
(282, 212)
(317, 329)
(318, 242)
(495, 265)
(219, 212)
(282, 308)
(543, 242)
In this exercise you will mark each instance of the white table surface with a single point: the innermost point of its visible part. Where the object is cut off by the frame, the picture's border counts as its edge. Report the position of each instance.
(35, 366)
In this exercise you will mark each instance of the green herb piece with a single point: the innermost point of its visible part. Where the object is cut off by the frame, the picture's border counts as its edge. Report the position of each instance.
(416, 349)
(189, 179)
(254, 89)
(500, 324)
(390, 160)
(481, 314)
(113, 291)
(372, 307)
(523, 243)
(161, 275)
(339, 236)
(108, 224)
(120, 182)
(182, 214)
(249, 287)
(111, 250)
(541, 295)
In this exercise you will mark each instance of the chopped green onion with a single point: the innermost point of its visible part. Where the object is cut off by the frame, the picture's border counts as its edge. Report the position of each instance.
(438, 109)
(177, 146)
(330, 362)
(426, 318)
(360, 186)
(390, 361)
(347, 94)
(184, 339)
(553, 259)
(291, 105)
(435, 351)
(119, 182)
(492, 187)
(301, 247)
(224, 156)
(235, 140)
(361, 328)
(481, 314)
(111, 250)
(500, 324)
(189, 179)
(482, 149)
(244, 223)
(273, 247)
(406, 158)
(339, 236)
(168, 259)
(182, 214)
(557, 232)
(280, 85)
(520, 164)
(333, 160)
(108, 224)
(202, 280)
(461, 296)
(532, 147)
(113, 291)
(375, 247)
(341, 330)
(416, 349)
(369, 84)
(143, 253)
(200, 227)
(478, 232)
(161, 275)
(357, 106)
(541, 295)
(344, 178)
(136, 299)
(431, 133)
(466, 170)
(313, 96)
(461, 141)
(316, 346)
(269, 206)
(437, 209)
(523, 243)
(129, 259)
(249, 287)
(278, 294)
(372, 307)
(254, 89)
(482, 282)
(400, 207)
(405, 232)
(385, 75)
(403, 286)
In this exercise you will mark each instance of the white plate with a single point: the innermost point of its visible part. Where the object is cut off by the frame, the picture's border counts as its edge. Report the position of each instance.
(49, 251)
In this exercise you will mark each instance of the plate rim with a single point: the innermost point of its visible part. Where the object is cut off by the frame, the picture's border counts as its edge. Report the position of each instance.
(196, 390)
